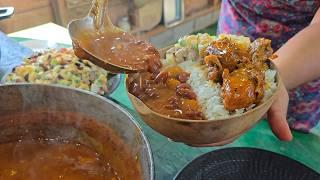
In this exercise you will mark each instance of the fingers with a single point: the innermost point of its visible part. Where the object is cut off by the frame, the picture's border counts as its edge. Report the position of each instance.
(279, 125)
(277, 116)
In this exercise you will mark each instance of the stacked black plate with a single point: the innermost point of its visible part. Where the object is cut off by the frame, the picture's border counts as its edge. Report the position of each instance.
(245, 164)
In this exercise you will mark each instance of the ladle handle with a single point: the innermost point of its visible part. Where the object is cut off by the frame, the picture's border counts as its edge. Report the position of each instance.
(99, 13)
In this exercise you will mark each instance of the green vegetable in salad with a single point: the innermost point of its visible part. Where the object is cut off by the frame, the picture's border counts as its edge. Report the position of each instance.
(54, 62)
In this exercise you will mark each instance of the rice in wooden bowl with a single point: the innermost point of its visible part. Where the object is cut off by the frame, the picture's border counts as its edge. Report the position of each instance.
(209, 91)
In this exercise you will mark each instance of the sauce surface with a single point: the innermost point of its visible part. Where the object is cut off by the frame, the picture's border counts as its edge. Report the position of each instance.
(122, 49)
(50, 159)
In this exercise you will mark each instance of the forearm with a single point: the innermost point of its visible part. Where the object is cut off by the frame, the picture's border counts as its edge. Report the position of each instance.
(316, 18)
(299, 59)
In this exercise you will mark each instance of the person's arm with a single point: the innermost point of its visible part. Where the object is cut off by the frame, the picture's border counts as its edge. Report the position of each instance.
(316, 18)
(298, 62)
(299, 59)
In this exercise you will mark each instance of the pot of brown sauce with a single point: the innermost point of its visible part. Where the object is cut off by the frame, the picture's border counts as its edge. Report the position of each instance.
(53, 132)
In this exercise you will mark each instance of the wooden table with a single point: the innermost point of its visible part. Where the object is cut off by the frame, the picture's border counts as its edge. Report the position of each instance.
(170, 157)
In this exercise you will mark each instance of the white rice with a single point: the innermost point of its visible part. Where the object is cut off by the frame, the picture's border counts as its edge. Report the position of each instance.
(271, 85)
(208, 93)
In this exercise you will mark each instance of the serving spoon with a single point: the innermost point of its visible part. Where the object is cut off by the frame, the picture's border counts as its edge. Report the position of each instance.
(95, 38)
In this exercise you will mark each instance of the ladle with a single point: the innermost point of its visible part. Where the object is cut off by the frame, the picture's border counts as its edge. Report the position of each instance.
(95, 38)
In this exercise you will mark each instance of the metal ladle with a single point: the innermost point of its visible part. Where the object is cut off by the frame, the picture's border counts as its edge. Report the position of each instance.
(86, 33)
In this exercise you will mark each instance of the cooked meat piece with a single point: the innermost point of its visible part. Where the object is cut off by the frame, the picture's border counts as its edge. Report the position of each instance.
(153, 65)
(258, 77)
(186, 93)
(136, 90)
(183, 77)
(151, 92)
(229, 55)
(142, 86)
(184, 86)
(162, 77)
(173, 103)
(184, 90)
(241, 70)
(191, 108)
(214, 67)
(242, 88)
(260, 50)
(237, 90)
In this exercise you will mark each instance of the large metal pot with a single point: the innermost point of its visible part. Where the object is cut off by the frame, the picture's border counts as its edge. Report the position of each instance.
(52, 111)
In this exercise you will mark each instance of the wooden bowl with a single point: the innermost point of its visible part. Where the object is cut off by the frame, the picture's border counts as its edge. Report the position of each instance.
(203, 132)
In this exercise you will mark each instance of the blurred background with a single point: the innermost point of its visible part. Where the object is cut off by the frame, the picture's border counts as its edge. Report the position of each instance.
(161, 22)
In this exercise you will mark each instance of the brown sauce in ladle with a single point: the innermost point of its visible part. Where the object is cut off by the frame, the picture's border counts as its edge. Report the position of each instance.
(99, 38)
(124, 50)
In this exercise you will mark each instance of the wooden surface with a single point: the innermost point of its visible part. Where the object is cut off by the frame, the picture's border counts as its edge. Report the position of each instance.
(192, 6)
(28, 13)
(22, 6)
(67, 10)
(161, 28)
(145, 20)
(27, 19)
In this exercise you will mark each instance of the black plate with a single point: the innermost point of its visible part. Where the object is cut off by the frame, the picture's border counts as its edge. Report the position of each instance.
(245, 164)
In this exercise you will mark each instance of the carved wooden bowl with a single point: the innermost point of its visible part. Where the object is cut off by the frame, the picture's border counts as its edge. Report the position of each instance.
(203, 132)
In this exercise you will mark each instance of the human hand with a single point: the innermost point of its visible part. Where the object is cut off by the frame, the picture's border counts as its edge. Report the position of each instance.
(277, 115)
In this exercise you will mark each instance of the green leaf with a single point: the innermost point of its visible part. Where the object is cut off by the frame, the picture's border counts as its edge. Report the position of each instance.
(182, 42)
(54, 62)
(195, 47)
(77, 81)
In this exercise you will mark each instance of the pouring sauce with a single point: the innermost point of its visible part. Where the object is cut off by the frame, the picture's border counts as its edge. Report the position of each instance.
(121, 49)
(49, 159)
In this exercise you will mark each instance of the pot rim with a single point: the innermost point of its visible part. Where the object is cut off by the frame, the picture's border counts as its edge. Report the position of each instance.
(144, 138)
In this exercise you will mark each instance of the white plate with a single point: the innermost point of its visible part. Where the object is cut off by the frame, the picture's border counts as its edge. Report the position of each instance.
(39, 45)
